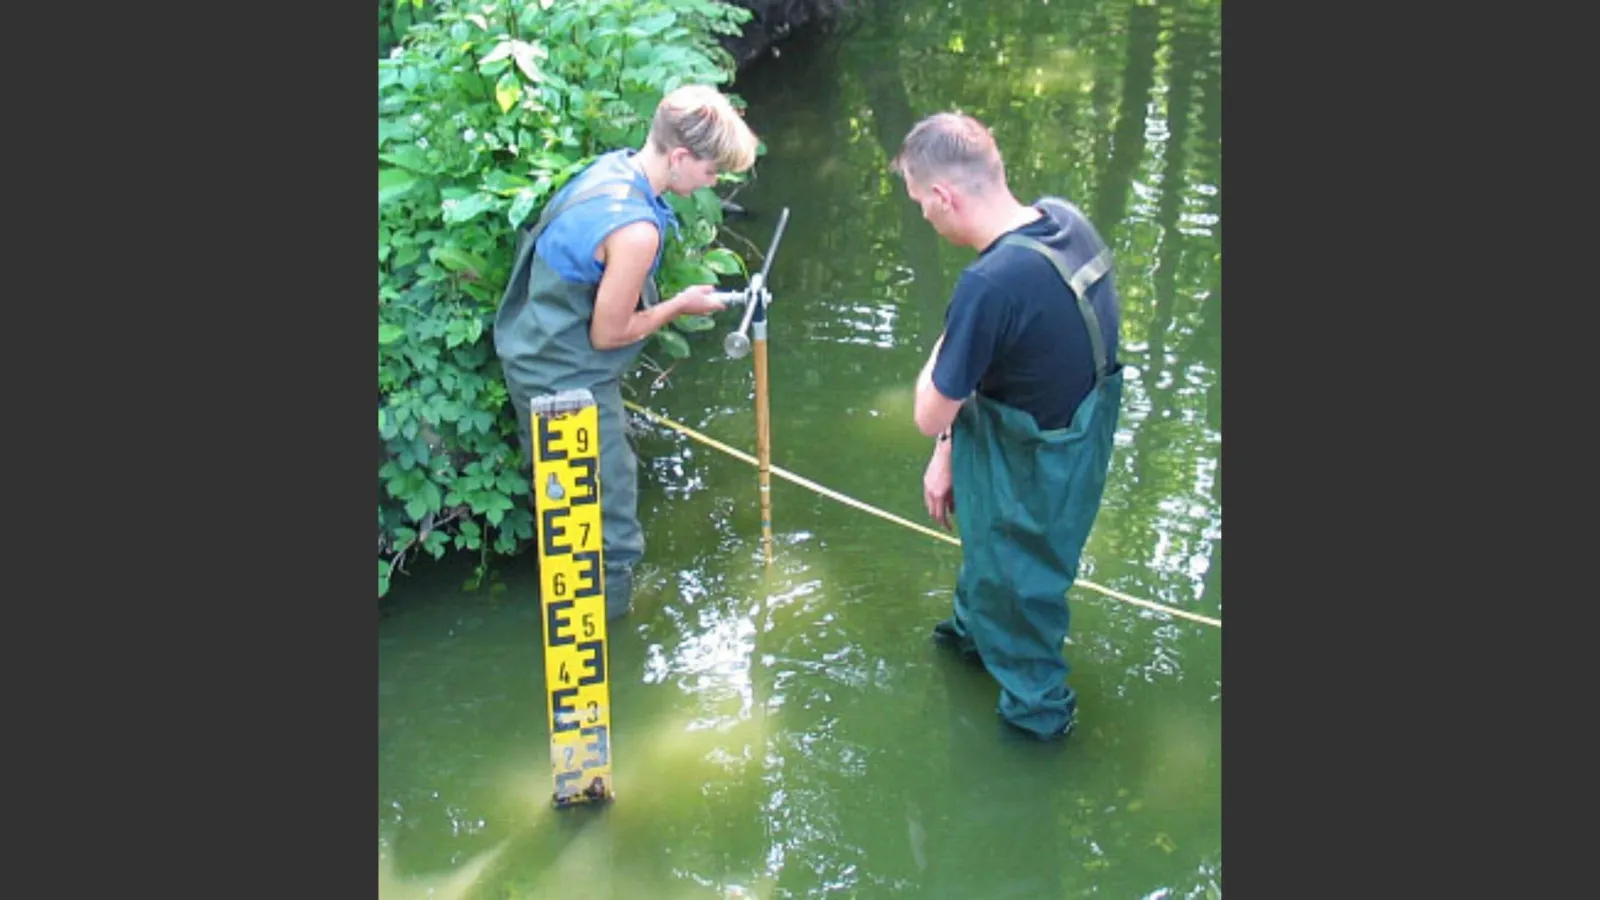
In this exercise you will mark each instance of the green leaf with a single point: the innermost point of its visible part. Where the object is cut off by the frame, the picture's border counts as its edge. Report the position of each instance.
(509, 481)
(416, 452)
(695, 323)
(674, 342)
(698, 274)
(426, 500)
(520, 522)
(458, 260)
(652, 25)
(411, 158)
(464, 210)
(684, 207)
(527, 56)
(448, 411)
(507, 91)
(708, 205)
(403, 483)
(435, 543)
(388, 334)
(522, 207)
(501, 51)
(393, 183)
(392, 130)
(723, 261)
(504, 183)
(383, 578)
(504, 543)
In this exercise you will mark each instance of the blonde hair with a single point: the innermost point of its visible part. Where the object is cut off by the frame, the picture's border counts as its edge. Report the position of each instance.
(950, 147)
(700, 119)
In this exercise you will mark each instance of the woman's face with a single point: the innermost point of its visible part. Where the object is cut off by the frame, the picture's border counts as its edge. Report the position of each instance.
(691, 174)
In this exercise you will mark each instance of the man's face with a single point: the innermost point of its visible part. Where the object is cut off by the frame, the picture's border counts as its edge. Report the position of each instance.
(935, 206)
(693, 174)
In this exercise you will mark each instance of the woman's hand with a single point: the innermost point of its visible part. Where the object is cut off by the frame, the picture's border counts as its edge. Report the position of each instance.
(696, 301)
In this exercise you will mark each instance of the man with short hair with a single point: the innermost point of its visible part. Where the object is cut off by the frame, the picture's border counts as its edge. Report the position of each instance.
(1022, 392)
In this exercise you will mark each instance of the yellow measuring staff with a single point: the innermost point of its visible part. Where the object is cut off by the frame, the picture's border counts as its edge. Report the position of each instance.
(566, 499)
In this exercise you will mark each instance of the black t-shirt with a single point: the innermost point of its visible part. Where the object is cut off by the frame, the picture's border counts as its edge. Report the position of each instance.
(1014, 333)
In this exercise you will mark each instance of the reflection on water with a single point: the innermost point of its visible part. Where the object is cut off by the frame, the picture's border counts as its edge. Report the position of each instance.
(791, 732)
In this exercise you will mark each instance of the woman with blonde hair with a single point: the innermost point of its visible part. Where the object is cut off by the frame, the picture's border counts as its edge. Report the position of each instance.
(582, 296)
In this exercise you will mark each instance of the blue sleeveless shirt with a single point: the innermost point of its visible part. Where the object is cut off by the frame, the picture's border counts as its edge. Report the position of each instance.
(568, 245)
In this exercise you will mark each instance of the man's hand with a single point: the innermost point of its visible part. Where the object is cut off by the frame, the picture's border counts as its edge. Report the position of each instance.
(938, 486)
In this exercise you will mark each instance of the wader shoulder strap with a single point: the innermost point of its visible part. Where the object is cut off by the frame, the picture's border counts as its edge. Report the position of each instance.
(1078, 282)
(617, 189)
(528, 238)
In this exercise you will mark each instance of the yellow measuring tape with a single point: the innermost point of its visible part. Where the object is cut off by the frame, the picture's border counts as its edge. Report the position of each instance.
(566, 498)
(851, 501)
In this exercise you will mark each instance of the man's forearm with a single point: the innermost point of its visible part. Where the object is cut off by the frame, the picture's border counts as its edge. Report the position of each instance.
(925, 377)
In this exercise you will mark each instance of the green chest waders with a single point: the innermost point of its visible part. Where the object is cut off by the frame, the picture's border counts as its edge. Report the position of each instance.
(541, 335)
(1026, 499)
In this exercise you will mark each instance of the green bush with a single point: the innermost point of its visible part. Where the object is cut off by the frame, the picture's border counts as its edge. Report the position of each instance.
(484, 111)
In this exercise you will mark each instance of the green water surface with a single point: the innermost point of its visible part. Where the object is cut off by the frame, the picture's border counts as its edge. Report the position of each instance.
(791, 732)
